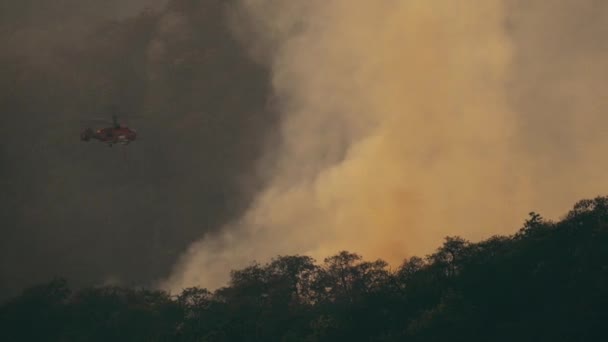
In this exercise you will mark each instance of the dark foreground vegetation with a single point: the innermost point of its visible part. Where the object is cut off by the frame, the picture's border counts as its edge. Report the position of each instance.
(548, 282)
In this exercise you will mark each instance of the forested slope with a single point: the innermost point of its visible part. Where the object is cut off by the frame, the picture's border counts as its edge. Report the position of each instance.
(548, 282)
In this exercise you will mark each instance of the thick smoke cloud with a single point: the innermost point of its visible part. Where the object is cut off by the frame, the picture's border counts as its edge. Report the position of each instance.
(556, 89)
(395, 129)
(402, 121)
(406, 121)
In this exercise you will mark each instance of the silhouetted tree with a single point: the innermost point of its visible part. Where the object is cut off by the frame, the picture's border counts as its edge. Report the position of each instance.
(547, 282)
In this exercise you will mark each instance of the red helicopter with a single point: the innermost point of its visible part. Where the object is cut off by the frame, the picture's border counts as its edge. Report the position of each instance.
(116, 134)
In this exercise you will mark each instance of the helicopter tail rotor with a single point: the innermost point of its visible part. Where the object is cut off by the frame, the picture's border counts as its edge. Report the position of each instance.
(86, 134)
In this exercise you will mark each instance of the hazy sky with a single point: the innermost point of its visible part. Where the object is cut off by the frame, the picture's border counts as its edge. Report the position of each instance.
(93, 213)
(288, 127)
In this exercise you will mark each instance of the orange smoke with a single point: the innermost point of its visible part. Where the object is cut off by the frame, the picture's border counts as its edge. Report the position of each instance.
(396, 132)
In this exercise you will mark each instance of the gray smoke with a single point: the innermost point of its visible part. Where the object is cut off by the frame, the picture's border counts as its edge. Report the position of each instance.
(96, 214)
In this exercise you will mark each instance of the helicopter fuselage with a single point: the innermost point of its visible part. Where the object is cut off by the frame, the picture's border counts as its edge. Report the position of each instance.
(110, 135)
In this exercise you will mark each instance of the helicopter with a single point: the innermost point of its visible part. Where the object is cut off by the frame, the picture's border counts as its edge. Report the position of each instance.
(116, 134)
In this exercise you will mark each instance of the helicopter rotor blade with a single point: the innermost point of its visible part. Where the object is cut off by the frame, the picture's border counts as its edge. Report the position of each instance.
(110, 120)
(95, 122)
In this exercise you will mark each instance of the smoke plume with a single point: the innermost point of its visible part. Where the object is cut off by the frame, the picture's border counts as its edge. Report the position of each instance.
(557, 93)
(395, 132)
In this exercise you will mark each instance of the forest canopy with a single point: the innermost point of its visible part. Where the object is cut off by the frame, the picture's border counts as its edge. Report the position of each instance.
(547, 282)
